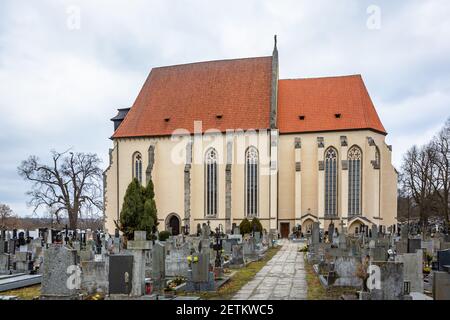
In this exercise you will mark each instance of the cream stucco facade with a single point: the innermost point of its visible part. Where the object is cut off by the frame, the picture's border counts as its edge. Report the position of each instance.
(290, 185)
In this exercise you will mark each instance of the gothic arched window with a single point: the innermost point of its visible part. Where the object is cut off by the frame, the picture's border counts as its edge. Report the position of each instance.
(211, 182)
(354, 180)
(251, 181)
(137, 166)
(330, 182)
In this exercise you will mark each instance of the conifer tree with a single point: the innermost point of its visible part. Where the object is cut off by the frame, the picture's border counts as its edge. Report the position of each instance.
(132, 209)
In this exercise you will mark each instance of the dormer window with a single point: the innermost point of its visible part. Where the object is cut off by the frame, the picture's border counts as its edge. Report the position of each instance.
(166, 119)
(219, 116)
(301, 117)
(337, 115)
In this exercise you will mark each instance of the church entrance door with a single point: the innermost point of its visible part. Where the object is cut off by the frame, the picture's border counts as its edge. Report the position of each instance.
(174, 225)
(284, 229)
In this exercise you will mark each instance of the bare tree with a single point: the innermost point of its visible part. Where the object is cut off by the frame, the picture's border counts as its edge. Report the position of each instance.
(441, 163)
(417, 176)
(71, 184)
(7, 217)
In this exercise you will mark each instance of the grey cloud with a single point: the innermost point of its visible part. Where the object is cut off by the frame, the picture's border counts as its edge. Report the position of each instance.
(59, 87)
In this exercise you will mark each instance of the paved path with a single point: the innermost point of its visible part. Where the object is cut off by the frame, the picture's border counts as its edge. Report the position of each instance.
(282, 278)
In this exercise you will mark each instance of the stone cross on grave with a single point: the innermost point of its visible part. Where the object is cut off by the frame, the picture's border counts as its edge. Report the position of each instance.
(138, 247)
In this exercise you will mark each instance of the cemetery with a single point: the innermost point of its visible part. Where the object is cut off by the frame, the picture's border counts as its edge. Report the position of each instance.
(404, 262)
(397, 263)
(86, 264)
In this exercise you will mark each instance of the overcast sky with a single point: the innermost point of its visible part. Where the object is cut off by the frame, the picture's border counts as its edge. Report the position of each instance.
(63, 75)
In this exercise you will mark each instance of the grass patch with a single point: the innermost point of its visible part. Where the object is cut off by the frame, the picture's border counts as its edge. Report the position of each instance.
(27, 293)
(240, 278)
(317, 292)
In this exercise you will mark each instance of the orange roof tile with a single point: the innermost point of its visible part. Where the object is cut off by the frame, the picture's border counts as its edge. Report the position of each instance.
(320, 99)
(174, 97)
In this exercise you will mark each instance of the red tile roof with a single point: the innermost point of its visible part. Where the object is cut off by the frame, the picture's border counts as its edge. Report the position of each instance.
(174, 97)
(235, 94)
(319, 100)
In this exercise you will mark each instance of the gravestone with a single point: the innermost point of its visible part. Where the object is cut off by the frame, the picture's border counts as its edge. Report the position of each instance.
(138, 247)
(330, 232)
(176, 260)
(315, 235)
(23, 262)
(12, 246)
(428, 246)
(249, 249)
(354, 248)
(4, 263)
(441, 285)
(120, 274)
(61, 276)
(237, 237)
(206, 231)
(86, 254)
(379, 253)
(346, 270)
(228, 244)
(443, 257)
(401, 246)
(257, 236)
(374, 232)
(342, 243)
(270, 239)
(391, 281)
(158, 266)
(412, 269)
(414, 245)
(237, 256)
(199, 276)
(94, 277)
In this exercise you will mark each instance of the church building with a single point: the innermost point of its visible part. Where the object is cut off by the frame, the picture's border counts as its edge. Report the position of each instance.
(227, 140)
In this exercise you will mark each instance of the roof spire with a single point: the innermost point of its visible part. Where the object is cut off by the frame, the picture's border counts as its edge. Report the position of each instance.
(275, 41)
(274, 92)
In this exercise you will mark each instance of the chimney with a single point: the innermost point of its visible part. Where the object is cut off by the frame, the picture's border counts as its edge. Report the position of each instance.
(122, 113)
(274, 93)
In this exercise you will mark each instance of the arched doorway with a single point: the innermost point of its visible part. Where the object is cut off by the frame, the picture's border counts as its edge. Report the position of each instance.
(173, 224)
(356, 227)
(307, 226)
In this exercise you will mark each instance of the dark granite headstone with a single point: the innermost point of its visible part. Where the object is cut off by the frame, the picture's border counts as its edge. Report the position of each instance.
(120, 273)
(443, 257)
(414, 245)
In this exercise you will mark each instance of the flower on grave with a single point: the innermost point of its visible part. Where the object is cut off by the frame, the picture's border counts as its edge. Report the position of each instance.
(189, 259)
(195, 259)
